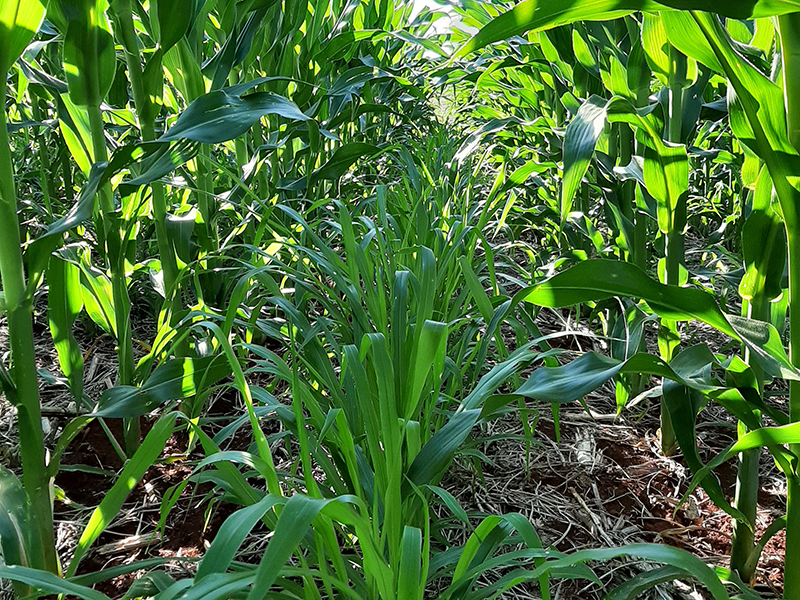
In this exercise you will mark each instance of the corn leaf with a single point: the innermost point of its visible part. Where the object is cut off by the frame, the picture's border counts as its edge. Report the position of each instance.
(175, 379)
(579, 144)
(64, 303)
(16, 539)
(19, 22)
(89, 60)
(223, 115)
(535, 15)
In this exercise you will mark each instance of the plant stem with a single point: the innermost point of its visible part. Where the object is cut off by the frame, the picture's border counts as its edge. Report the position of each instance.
(119, 285)
(20, 333)
(789, 26)
(123, 10)
(746, 502)
(45, 181)
(669, 339)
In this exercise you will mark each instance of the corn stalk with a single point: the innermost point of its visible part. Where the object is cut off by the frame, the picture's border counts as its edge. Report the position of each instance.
(18, 23)
(789, 26)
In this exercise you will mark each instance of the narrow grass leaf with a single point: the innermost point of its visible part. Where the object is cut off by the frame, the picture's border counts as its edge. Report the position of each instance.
(292, 526)
(409, 573)
(637, 585)
(231, 535)
(49, 582)
(143, 459)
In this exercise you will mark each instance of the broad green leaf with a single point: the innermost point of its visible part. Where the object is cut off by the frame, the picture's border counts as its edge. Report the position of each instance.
(666, 176)
(74, 123)
(19, 22)
(767, 436)
(579, 144)
(683, 405)
(64, 303)
(600, 279)
(473, 140)
(89, 60)
(656, 46)
(763, 246)
(172, 21)
(162, 159)
(336, 46)
(765, 343)
(584, 52)
(175, 379)
(737, 9)
(16, 528)
(535, 15)
(342, 159)
(223, 115)
(676, 557)
(38, 253)
(760, 124)
(235, 47)
(531, 15)
(98, 298)
(684, 33)
(143, 459)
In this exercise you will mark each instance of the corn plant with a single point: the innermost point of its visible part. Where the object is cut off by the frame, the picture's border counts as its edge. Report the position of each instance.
(311, 230)
(762, 123)
(31, 517)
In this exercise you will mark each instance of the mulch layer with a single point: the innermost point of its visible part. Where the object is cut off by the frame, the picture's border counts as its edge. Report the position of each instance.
(600, 482)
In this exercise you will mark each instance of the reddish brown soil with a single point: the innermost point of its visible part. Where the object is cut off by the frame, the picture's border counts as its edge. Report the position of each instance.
(186, 531)
(634, 487)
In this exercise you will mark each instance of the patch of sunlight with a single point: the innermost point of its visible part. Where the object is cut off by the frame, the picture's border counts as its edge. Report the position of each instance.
(187, 383)
(451, 20)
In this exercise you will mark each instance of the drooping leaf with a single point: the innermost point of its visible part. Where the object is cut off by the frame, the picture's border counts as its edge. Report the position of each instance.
(534, 15)
(175, 379)
(342, 159)
(49, 582)
(224, 114)
(600, 279)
